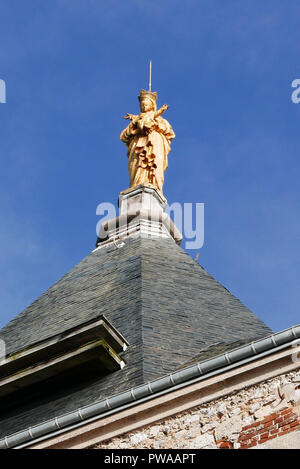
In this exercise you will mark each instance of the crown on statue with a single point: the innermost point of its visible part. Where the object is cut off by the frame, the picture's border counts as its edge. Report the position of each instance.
(148, 94)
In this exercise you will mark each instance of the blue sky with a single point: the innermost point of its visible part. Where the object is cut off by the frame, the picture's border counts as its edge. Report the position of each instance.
(73, 69)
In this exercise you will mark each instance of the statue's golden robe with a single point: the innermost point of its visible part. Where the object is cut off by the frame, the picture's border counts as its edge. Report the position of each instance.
(148, 149)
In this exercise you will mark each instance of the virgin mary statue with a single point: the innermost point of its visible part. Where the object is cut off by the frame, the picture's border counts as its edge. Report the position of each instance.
(148, 138)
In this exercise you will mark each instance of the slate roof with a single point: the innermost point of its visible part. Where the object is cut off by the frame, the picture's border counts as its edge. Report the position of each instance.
(213, 351)
(163, 302)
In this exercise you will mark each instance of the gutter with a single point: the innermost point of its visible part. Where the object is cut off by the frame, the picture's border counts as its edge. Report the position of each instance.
(139, 394)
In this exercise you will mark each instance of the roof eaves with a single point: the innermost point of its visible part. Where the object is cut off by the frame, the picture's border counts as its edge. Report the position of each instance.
(175, 380)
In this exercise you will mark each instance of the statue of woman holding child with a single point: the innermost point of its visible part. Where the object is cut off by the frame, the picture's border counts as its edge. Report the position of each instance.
(148, 138)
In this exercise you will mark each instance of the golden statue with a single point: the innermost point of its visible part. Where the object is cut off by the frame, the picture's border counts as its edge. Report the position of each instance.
(148, 138)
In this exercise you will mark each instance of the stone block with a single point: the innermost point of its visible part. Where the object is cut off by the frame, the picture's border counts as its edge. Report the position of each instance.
(138, 438)
(204, 442)
(229, 429)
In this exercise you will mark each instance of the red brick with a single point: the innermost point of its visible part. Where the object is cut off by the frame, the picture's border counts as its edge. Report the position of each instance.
(291, 418)
(289, 430)
(293, 424)
(270, 417)
(250, 442)
(265, 429)
(273, 432)
(287, 411)
(279, 420)
(252, 425)
(249, 446)
(285, 427)
(266, 424)
(264, 436)
(247, 436)
(225, 445)
(288, 424)
(288, 414)
(262, 440)
(247, 442)
(271, 427)
(267, 439)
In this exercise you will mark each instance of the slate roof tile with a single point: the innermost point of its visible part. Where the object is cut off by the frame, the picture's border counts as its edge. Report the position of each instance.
(163, 302)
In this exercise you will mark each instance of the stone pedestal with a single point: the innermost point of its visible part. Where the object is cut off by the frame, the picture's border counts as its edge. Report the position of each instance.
(141, 214)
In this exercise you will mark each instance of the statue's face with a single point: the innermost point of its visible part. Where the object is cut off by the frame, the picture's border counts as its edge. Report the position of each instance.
(146, 105)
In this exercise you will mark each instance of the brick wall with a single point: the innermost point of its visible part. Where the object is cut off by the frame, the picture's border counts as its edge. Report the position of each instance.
(273, 426)
(254, 417)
